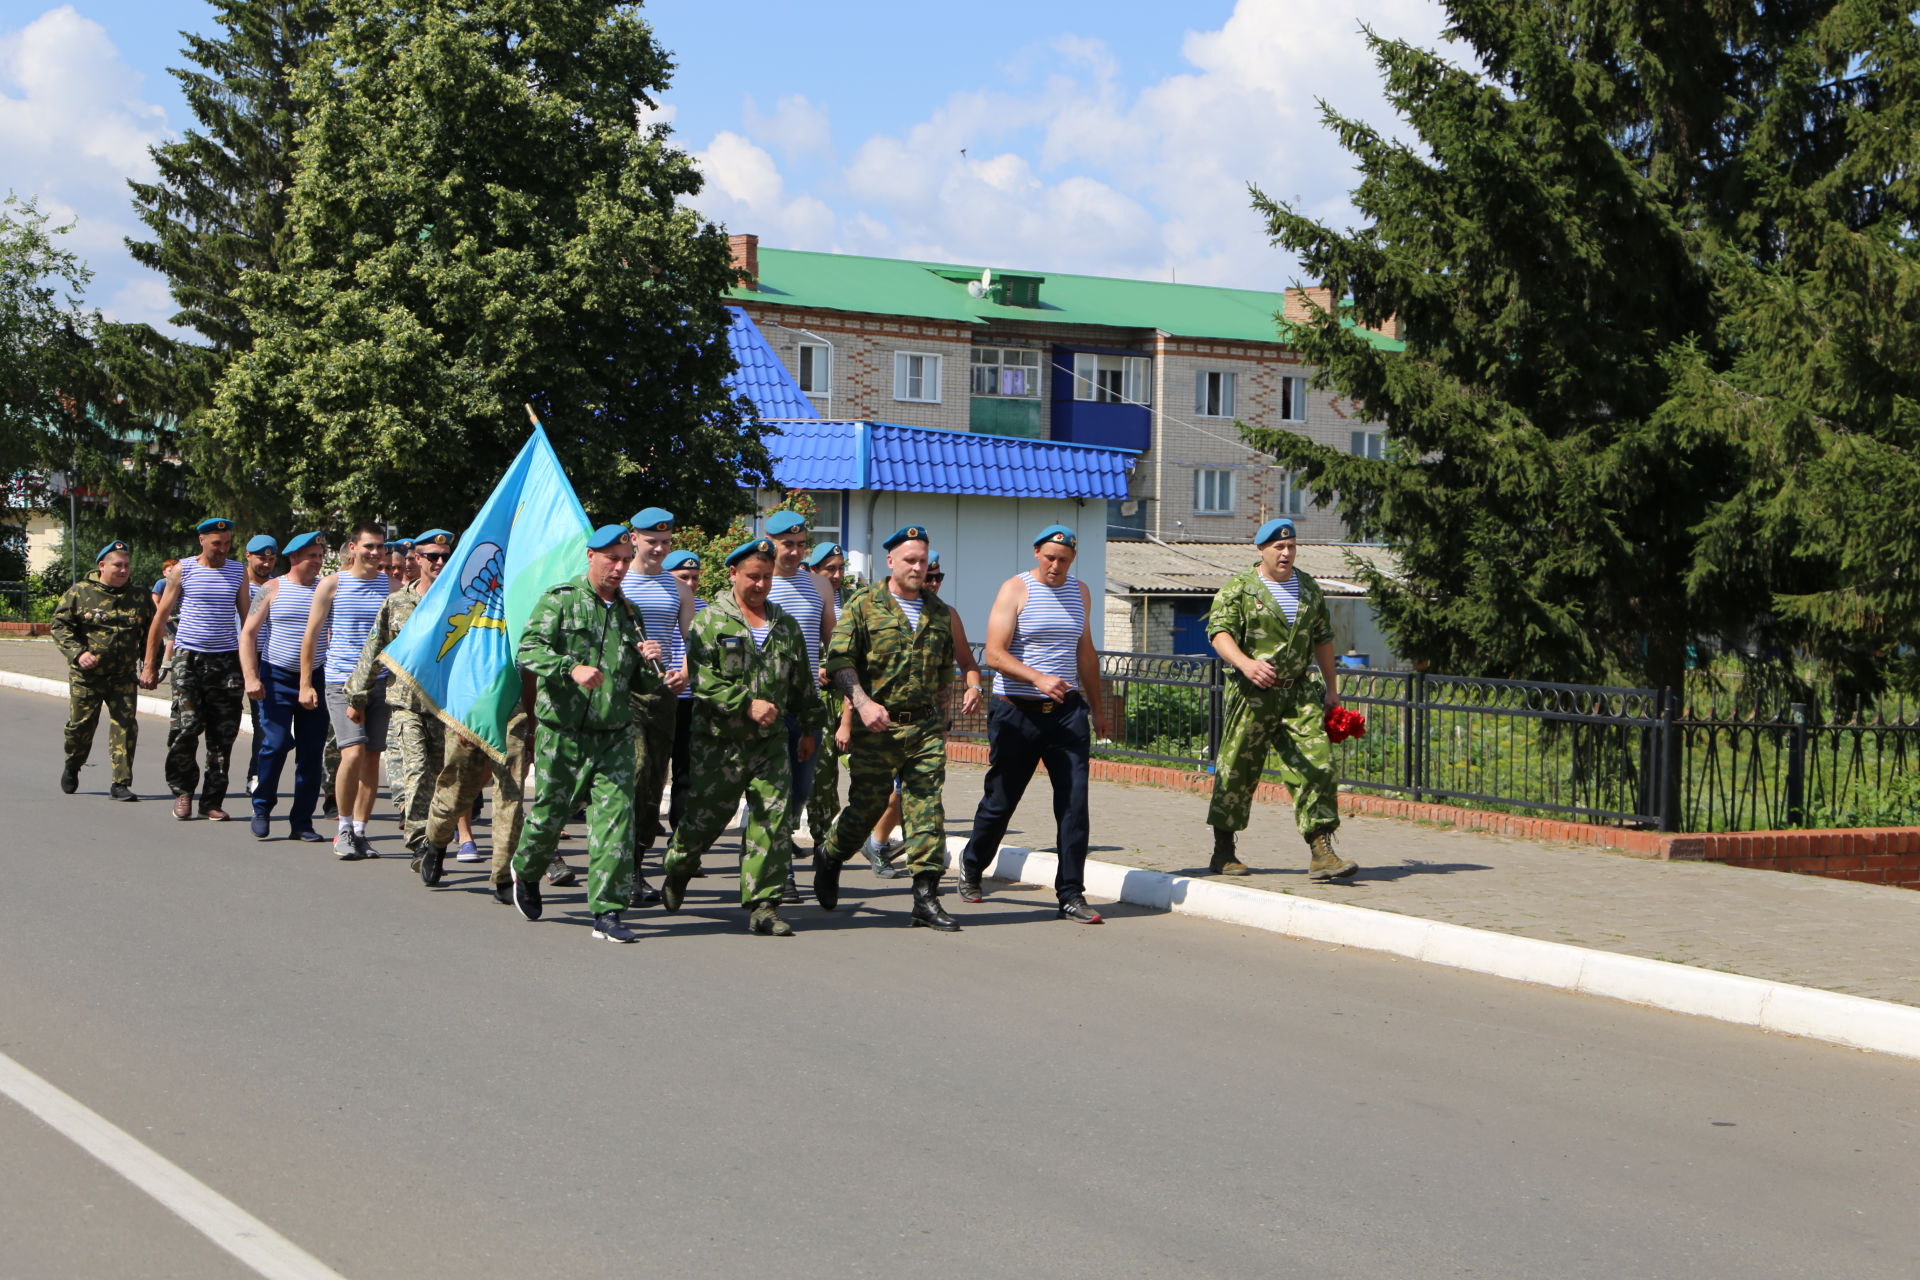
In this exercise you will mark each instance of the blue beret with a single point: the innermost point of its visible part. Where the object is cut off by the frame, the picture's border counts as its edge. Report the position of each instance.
(213, 524)
(1057, 533)
(402, 544)
(110, 548)
(823, 553)
(679, 559)
(907, 533)
(302, 542)
(933, 557)
(784, 522)
(1273, 530)
(653, 520)
(605, 536)
(434, 538)
(756, 547)
(262, 542)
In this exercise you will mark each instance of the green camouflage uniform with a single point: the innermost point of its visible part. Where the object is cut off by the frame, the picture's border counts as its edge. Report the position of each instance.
(583, 739)
(908, 671)
(731, 753)
(1290, 722)
(110, 623)
(653, 722)
(823, 806)
(416, 740)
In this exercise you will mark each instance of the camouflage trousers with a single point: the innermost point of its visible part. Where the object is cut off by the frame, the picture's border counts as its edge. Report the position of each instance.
(1290, 723)
(724, 768)
(87, 692)
(467, 769)
(207, 693)
(416, 746)
(653, 717)
(917, 755)
(823, 805)
(595, 765)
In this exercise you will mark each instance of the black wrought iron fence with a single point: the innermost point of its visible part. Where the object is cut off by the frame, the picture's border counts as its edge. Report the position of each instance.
(1595, 753)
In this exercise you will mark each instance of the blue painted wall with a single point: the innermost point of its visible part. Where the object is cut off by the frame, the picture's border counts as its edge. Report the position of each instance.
(1116, 426)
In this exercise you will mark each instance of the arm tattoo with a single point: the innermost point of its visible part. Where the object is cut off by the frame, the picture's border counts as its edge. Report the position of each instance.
(849, 685)
(260, 603)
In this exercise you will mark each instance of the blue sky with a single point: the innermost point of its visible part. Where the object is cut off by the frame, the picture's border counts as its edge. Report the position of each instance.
(1108, 138)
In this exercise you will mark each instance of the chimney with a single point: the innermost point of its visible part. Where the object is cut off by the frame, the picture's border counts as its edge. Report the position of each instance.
(1298, 301)
(1389, 328)
(745, 254)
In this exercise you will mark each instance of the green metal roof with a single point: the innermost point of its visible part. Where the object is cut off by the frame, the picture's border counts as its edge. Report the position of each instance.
(934, 290)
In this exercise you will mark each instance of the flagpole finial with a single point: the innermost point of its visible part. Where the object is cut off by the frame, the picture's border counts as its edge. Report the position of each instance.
(531, 416)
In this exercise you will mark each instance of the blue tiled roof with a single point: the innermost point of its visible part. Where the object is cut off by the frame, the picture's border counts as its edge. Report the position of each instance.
(883, 455)
(761, 377)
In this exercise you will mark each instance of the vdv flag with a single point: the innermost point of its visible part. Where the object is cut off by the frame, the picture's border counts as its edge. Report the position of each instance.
(457, 649)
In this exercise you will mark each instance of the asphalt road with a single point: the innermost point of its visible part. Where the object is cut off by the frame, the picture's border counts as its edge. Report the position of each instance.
(418, 1083)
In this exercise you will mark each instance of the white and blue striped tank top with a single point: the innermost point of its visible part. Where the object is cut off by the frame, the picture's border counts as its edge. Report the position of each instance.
(287, 616)
(656, 597)
(799, 597)
(356, 601)
(259, 637)
(760, 634)
(1286, 595)
(209, 607)
(913, 609)
(1046, 636)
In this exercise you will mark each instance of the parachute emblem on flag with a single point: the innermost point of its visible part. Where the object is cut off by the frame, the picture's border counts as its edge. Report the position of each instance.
(481, 580)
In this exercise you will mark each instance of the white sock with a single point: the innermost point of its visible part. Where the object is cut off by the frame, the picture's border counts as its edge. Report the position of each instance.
(359, 827)
(346, 826)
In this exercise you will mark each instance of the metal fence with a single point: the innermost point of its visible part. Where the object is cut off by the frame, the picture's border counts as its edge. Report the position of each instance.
(1636, 757)
(14, 597)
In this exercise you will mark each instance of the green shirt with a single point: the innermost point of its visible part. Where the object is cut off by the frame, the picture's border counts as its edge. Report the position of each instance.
(1245, 610)
(901, 667)
(572, 627)
(109, 622)
(729, 671)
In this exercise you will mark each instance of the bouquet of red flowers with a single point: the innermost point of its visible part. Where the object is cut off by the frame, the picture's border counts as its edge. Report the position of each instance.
(1343, 724)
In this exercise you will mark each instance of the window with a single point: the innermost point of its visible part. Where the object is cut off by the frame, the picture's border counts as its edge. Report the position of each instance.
(1213, 394)
(816, 367)
(1369, 444)
(1006, 371)
(1293, 399)
(1111, 379)
(1213, 493)
(1292, 495)
(916, 377)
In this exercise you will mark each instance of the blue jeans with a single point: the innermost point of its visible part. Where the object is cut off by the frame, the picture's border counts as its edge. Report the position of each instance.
(287, 726)
(802, 780)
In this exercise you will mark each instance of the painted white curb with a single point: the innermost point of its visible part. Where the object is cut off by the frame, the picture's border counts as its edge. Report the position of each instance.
(160, 708)
(1854, 1021)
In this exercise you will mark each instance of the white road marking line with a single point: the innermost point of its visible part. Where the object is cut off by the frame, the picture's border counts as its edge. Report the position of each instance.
(214, 1216)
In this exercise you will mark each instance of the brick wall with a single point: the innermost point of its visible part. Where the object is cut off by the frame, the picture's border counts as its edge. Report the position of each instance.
(863, 351)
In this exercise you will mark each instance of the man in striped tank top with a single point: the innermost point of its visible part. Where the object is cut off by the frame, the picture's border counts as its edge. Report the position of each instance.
(345, 605)
(1046, 686)
(263, 553)
(1270, 624)
(808, 598)
(684, 565)
(665, 606)
(209, 591)
(279, 615)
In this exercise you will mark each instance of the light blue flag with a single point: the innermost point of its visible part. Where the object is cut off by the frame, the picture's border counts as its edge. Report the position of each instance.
(457, 649)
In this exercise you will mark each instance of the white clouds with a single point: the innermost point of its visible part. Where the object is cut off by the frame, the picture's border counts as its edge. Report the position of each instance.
(73, 129)
(1060, 166)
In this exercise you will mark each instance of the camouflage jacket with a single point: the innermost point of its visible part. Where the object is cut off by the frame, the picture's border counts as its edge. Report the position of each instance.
(393, 615)
(1245, 610)
(571, 627)
(729, 671)
(109, 622)
(901, 667)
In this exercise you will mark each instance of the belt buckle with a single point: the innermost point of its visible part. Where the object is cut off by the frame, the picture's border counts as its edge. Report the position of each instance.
(1047, 706)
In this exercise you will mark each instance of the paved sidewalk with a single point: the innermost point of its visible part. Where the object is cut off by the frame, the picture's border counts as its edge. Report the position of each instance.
(1859, 939)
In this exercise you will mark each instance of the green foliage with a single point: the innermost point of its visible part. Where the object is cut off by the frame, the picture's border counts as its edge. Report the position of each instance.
(476, 222)
(1586, 475)
(44, 338)
(713, 548)
(1165, 720)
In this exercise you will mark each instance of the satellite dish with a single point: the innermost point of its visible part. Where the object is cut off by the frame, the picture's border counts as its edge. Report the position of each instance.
(983, 286)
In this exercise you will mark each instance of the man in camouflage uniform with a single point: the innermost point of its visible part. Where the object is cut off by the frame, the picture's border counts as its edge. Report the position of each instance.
(746, 689)
(829, 560)
(101, 626)
(415, 740)
(892, 658)
(1270, 625)
(584, 646)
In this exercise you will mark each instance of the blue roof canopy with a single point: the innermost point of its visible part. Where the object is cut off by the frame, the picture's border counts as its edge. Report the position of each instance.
(761, 377)
(883, 455)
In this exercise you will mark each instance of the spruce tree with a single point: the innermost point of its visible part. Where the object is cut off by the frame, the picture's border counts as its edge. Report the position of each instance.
(1551, 249)
(478, 220)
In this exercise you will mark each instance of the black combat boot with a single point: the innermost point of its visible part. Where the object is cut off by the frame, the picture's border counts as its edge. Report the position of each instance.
(826, 880)
(1224, 863)
(926, 904)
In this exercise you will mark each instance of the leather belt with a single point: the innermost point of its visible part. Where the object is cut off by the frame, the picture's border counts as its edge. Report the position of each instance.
(920, 715)
(1043, 706)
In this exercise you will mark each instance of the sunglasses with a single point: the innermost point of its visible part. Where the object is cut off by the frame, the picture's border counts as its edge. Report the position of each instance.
(936, 577)
(436, 557)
